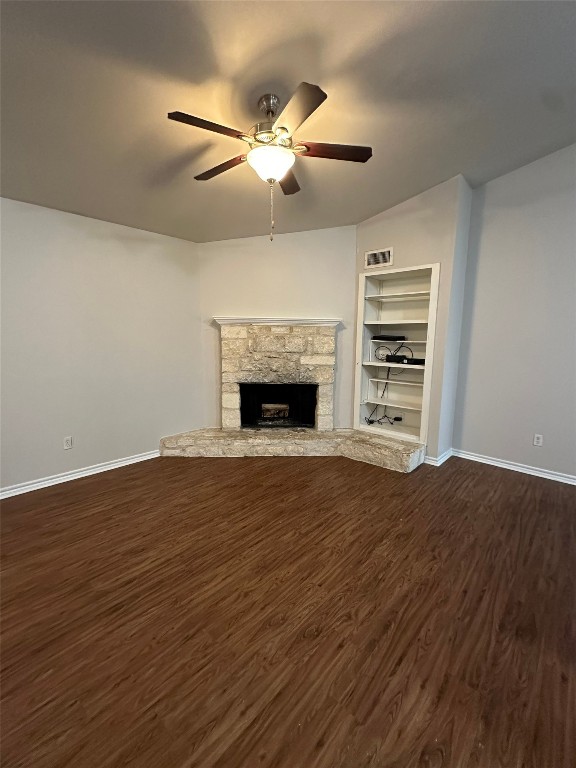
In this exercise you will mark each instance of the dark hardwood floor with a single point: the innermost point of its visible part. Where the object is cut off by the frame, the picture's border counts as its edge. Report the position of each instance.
(287, 613)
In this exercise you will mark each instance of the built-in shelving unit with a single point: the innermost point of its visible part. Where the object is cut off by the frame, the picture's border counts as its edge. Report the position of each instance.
(392, 398)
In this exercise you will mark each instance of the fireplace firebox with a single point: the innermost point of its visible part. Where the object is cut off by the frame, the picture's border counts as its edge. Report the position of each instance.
(278, 405)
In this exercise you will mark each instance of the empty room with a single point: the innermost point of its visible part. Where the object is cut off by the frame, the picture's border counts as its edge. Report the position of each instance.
(288, 384)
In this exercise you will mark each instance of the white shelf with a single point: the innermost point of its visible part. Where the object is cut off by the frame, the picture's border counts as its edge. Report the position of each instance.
(393, 365)
(402, 431)
(408, 296)
(395, 322)
(404, 343)
(398, 381)
(388, 404)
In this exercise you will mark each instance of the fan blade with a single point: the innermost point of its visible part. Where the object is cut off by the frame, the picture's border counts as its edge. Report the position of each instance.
(336, 151)
(289, 184)
(305, 100)
(221, 168)
(198, 122)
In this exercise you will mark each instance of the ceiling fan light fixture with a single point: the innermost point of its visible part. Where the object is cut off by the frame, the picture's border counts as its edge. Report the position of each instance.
(271, 162)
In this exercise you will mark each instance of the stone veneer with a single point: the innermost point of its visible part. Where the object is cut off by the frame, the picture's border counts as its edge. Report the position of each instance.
(282, 352)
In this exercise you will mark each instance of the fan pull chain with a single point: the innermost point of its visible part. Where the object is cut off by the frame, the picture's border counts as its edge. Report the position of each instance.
(271, 209)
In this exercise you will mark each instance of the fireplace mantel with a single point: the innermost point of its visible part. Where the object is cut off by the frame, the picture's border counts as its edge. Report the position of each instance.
(331, 321)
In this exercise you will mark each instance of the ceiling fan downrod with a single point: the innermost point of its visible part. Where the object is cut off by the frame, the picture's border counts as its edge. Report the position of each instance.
(271, 182)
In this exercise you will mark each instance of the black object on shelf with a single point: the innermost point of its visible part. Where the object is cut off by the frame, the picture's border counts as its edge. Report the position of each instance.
(415, 361)
(405, 360)
(388, 337)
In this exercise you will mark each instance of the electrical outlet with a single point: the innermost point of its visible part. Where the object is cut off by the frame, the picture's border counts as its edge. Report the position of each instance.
(68, 443)
(538, 440)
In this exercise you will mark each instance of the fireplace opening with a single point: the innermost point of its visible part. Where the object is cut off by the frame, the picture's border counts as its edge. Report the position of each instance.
(278, 405)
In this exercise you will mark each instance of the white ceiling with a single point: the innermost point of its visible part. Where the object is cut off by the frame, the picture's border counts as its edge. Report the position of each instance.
(436, 88)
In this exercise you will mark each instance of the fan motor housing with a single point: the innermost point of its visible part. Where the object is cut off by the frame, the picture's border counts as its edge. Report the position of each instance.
(263, 132)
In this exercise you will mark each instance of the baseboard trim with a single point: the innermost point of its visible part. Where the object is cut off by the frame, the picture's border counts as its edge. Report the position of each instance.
(440, 460)
(45, 482)
(75, 474)
(527, 470)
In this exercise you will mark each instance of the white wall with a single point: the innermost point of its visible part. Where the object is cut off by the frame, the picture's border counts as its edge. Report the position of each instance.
(100, 340)
(518, 356)
(451, 341)
(305, 274)
(431, 227)
(107, 331)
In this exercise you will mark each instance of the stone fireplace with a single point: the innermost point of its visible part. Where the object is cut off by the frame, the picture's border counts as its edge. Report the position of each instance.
(282, 352)
(277, 351)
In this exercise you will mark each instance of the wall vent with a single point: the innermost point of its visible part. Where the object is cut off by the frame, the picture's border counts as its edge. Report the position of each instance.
(380, 258)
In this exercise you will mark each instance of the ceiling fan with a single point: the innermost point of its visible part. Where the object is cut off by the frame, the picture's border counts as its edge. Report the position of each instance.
(272, 147)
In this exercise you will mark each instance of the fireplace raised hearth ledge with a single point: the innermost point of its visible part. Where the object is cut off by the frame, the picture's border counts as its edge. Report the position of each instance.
(398, 455)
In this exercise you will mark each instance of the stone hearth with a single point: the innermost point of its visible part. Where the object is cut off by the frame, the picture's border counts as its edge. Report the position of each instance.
(384, 452)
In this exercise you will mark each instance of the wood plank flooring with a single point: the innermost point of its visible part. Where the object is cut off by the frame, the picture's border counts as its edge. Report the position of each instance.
(287, 613)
